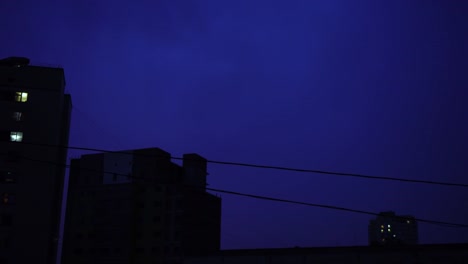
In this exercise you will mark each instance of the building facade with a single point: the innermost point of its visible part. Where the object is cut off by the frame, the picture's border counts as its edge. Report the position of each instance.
(138, 207)
(390, 229)
(34, 122)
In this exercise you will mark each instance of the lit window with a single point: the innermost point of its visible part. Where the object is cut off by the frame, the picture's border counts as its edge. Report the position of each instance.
(17, 116)
(7, 177)
(21, 97)
(8, 198)
(389, 230)
(381, 230)
(381, 226)
(394, 235)
(16, 136)
(408, 221)
(389, 226)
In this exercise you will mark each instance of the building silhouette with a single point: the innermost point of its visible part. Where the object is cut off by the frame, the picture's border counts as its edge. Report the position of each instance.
(390, 229)
(139, 207)
(431, 253)
(34, 119)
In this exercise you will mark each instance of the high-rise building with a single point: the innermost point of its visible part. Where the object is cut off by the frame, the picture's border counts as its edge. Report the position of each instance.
(34, 120)
(391, 229)
(139, 207)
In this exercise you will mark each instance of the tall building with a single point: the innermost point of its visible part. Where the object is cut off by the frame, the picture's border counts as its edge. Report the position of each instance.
(34, 119)
(391, 229)
(138, 207)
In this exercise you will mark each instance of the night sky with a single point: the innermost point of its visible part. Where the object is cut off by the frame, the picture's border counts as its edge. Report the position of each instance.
(371, 87)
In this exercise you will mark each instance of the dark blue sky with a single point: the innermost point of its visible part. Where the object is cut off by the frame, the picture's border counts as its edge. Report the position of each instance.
(372, 87)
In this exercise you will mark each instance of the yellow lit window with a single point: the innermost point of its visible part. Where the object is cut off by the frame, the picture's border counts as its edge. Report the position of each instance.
(21, 97)
(6, 198)
(16, 136)
(389, 230)
(381, 230)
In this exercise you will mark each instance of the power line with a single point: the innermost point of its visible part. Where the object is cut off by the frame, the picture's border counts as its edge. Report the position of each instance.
(343, 174)
(260, 197)
(447, 224)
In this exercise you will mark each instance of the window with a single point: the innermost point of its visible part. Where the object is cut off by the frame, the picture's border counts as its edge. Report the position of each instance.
(167, 249)
(138, 235)
(103, 251)
(78, 251)
(7, 96)
(7, 177)
(5, 220)
(8, 198)
(21, 97)
(176, 250)
(16, 136)
(6, 243)
(12, 156)
(17, 116)
(157, 234)
(155, 249)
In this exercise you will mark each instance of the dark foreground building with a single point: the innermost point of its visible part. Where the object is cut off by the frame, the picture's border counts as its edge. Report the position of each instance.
(391, 229)
(407, 254)
(139, 207)
(34, 120)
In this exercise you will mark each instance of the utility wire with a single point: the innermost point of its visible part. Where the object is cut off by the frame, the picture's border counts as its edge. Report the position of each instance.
(343, 174)
(441, 223)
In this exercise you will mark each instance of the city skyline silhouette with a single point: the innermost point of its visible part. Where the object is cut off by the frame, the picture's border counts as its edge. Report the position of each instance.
(366, 88)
